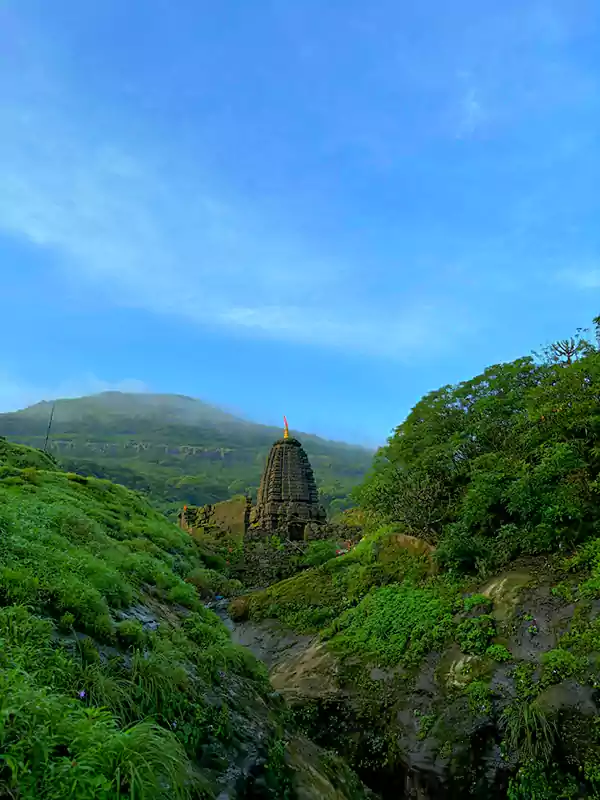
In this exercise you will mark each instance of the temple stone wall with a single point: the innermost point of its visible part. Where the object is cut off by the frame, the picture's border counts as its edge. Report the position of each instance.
(230, 517)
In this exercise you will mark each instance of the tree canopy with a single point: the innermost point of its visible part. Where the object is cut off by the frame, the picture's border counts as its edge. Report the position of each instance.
(502, 465)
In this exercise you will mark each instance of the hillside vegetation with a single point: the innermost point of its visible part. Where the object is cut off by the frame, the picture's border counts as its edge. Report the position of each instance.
(503, 465)
(461, 635)
(175, 449)
(115, 680)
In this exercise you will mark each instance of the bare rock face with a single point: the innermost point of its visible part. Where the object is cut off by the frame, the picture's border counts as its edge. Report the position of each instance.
(288, 499)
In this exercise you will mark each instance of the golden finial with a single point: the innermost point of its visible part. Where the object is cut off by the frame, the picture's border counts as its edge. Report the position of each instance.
(286, 431)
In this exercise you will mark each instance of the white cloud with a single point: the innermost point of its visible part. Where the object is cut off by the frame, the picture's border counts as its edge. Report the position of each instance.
(16, 394)
(415, 329)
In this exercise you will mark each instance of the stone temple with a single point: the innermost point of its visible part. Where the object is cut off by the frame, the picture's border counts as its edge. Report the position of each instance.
(288, 500)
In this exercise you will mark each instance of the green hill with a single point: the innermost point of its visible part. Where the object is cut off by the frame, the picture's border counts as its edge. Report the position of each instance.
(115, 680)
(173, 448)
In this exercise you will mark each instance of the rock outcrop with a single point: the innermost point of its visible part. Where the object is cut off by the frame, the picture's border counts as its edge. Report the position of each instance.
(466, 716)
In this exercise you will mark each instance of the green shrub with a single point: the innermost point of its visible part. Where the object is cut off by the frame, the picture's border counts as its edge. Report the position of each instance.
(475, 600)
(396, 624)
(206, 581)
(535, 781)
(558, 665)
(318, 553)
(184, 594)
(501, 465)
(88, 651)
(480, 698)
(474, 635)
(232, 588)
(130, 633)
(67, 621)
(426, 725)
(203, 628)
(214, 562)
(278, 771)
(498, 652)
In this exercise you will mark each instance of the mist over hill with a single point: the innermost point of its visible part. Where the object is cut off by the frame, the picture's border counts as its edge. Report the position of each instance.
(175, 449)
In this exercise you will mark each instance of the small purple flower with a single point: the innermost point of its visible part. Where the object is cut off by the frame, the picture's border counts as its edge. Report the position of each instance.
(82, 694)
(174, 724)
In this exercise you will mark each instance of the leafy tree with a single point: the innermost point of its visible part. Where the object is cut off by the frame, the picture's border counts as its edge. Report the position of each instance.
(502, 464)
(566, 351)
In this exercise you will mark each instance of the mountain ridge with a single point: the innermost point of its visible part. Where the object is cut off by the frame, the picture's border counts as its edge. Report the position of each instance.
(174, 448)
(159, 401)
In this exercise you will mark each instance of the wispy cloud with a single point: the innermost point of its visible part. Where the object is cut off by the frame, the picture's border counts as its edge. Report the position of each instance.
(516, 63)
(147, 238)
(471, 113)
(581, 278)
(16, 393)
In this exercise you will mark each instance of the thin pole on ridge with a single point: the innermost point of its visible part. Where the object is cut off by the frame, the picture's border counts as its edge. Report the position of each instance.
(49, 427)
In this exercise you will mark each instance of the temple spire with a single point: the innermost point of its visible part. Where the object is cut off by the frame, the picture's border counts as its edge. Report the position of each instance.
(288, 498)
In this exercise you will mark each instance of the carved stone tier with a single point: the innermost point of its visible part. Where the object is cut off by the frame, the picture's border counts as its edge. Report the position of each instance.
(288, 499)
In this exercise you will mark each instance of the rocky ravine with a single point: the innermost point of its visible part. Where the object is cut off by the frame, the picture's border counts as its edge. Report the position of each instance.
(440, 732)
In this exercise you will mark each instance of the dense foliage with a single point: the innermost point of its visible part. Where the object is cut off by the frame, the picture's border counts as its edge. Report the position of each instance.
(502, 465)
(175, 450)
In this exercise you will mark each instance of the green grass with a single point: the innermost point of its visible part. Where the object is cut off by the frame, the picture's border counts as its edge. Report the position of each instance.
(530, 731)
(72, 729)
(87, 547)
(312, 600)
(92, 705)
(396, 624)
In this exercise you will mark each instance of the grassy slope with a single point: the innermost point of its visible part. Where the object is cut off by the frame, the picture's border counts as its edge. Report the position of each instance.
(136, 440)
(92, 703)
(380, 601)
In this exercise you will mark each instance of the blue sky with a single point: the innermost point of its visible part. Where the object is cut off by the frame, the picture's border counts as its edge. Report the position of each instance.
(318, 209)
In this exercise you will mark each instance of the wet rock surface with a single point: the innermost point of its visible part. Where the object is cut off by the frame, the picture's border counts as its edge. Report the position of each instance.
(445, 745)
(268, 640)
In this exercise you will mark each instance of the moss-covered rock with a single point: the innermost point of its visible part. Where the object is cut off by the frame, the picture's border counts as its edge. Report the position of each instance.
(440, 687)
